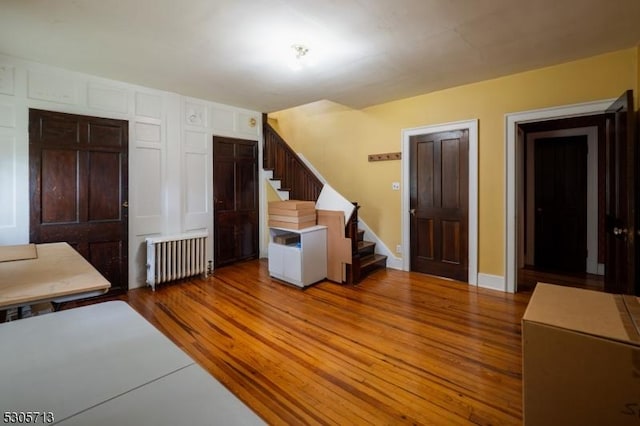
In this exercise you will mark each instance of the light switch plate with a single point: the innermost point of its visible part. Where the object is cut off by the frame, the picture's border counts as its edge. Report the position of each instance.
(395, 186)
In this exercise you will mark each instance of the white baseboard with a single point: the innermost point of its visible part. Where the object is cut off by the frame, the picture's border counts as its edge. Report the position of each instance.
(493, 282)
(394, 262)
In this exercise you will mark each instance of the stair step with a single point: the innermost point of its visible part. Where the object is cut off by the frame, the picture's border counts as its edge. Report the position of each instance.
(360, 234)
(366, 247)
(372, 261)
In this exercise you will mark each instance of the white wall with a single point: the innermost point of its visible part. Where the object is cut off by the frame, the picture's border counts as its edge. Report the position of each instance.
(170, 149)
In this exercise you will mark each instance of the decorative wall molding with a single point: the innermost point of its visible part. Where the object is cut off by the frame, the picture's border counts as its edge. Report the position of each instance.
(148, 105)
(196, 185)
(147, 132)
(197, 151)
(222, 120)
(51, 87)
(148, 198)
(195, 114)
(7, 85)
(195, 141)
(8, 179)
(108, 99)
(7, 116)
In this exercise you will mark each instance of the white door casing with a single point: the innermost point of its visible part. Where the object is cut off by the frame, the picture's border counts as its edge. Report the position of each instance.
(512, 150)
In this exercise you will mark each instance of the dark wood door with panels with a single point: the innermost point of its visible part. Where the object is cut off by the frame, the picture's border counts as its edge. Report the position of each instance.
(621, 211)
(235, 200)
(561, 203)
(439, 203)
(78, 177)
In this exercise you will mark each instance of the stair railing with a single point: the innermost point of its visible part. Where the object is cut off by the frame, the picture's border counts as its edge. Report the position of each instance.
(351, 231)
(288, 168)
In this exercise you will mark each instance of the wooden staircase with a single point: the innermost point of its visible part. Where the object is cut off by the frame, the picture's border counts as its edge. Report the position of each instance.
(364, 259)
(294, 176)
(302, 184)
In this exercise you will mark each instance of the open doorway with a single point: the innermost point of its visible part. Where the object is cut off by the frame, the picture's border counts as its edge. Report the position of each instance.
(561, 202)
(620, 170)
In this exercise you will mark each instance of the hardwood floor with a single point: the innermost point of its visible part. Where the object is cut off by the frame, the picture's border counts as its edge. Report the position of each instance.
(397, 348)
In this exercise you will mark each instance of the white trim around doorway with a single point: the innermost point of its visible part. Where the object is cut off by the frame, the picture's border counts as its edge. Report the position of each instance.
(472, 126)
(511, 151)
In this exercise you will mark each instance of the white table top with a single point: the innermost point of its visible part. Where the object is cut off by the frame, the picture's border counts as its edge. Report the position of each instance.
(97, 359)
(202, 401)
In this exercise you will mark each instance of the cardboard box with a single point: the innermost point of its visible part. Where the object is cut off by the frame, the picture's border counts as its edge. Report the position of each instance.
(289, 238)
(289, 225)
(581, 358)
(293, 219)
(292, 205)
(338, 247)
(292, 213)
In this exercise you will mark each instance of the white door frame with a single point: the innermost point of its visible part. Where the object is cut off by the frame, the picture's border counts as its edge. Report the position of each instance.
(511, 151)
(472, 126)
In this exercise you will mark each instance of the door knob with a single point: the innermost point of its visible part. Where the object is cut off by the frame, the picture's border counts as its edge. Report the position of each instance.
(413, 212)
(125, 204)
(619, 231)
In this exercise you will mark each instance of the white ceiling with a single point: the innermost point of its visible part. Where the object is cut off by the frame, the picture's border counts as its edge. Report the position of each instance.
(365, 51)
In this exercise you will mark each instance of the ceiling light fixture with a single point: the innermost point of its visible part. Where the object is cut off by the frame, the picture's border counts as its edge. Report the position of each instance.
(301, 59)
(300, 50)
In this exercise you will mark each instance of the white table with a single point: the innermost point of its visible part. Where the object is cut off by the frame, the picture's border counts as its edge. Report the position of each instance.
(105, 364)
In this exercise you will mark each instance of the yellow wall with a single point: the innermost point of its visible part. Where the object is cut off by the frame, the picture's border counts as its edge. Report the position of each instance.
(337, 139)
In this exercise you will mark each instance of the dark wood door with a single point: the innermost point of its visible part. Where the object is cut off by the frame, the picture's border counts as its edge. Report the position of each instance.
(439, 179)
(621, 256)
(235, 192)
(79, 187)
(561, 203)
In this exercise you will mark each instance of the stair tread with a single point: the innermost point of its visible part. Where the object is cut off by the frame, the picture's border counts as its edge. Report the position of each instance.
(372, 259)
(364, 245)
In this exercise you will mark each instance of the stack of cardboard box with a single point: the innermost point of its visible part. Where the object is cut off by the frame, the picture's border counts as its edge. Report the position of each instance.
(292, 214)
